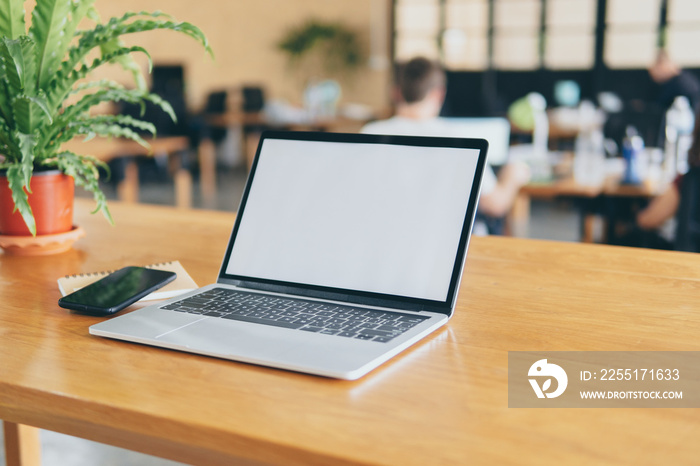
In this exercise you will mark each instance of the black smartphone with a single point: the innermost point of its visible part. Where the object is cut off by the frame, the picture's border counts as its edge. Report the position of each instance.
(116, 291)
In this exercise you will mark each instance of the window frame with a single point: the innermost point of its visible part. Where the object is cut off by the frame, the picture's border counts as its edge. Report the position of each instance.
(601, 30)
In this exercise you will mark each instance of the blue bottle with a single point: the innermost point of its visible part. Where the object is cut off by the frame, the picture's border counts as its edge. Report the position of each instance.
(632, 147)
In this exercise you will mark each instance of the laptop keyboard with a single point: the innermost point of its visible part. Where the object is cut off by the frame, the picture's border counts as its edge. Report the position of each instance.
(299, 314)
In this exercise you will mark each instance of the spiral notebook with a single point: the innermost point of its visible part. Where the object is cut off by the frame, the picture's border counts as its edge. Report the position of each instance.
(182, 284)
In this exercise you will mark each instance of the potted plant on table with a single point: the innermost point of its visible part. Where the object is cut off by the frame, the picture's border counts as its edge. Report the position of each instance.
(334, 48)
(320, 48)
(45, 100)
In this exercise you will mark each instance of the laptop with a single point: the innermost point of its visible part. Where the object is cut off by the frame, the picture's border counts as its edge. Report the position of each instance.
(495, 130)
(346, 250)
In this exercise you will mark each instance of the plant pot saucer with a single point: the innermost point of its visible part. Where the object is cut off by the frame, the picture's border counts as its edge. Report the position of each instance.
(40, 245)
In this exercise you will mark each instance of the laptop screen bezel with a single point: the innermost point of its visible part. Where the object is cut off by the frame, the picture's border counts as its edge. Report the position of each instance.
(354, 296)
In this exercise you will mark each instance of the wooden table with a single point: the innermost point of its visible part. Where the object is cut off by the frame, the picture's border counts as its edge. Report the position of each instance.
(569, 188)
(128, 189)
(444, 401)
(259, 121)
(335, 123)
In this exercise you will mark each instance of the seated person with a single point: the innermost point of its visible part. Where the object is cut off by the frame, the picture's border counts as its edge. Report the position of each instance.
(673, 81)
(419, 96)
(658, 216)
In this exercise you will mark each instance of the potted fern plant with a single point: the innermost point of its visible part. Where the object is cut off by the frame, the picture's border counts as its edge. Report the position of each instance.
(46, 100)
(322, 47)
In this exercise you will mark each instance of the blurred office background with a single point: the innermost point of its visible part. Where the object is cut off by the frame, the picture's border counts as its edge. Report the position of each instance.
(587, 59)
(495, 51)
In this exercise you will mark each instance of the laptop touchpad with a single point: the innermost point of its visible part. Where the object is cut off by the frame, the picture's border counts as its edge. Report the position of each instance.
(145, 323)
(219, 337)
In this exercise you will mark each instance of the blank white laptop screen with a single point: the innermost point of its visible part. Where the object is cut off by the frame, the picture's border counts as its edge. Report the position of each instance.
(362, 217)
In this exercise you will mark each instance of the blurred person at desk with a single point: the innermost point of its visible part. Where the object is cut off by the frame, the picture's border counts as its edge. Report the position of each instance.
(419, 94)
(673, 82)
(657, 220)
(649, 116)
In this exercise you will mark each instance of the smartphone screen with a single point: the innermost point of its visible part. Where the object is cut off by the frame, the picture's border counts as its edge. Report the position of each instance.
(116, 291)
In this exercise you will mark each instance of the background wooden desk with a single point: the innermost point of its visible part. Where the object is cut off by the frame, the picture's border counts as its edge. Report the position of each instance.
(128, 189)
(259, 121)
(442, 402)
(568, 187)
(335, 123)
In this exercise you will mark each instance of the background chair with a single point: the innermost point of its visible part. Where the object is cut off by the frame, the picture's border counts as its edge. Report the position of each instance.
(168, 82)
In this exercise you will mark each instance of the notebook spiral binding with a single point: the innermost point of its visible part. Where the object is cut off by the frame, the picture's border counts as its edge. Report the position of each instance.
(107, 272)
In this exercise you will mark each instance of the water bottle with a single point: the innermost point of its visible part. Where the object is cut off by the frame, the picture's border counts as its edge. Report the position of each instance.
(589, 158)
(540, 133)
(541, 168)
(632, 148)
(679, 127)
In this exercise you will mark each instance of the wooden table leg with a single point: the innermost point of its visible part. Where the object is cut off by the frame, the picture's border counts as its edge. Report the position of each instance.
(128, 189)
(588, 230)
(183, 181)
(251, 147)
(183, 188)
(22, 445)
(518, 219)
(207, 172)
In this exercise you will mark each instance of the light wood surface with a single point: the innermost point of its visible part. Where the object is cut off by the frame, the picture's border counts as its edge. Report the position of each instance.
(444, 401)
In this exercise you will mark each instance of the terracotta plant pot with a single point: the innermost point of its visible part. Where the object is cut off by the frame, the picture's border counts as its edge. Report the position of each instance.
(51, 201)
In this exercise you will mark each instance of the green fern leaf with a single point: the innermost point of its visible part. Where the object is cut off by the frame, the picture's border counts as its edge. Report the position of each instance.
(84, 171)
(49, 19)
(102, 83)
(50, 148)
(15, 179)
(79, 127)
(12, 18)
(62, 83)
(84, 104)
(106, 95)
(107, 130)
(5, 99)
(11, 147)
(106, 36)
(105, 33)
(94, 15)
(100, 34)
(26, 147)
(52, 136)
(29, 112)
(126, 62)
(20, 64)
(121, 120)
(163, 104)
(183, 27)
(79, 9)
